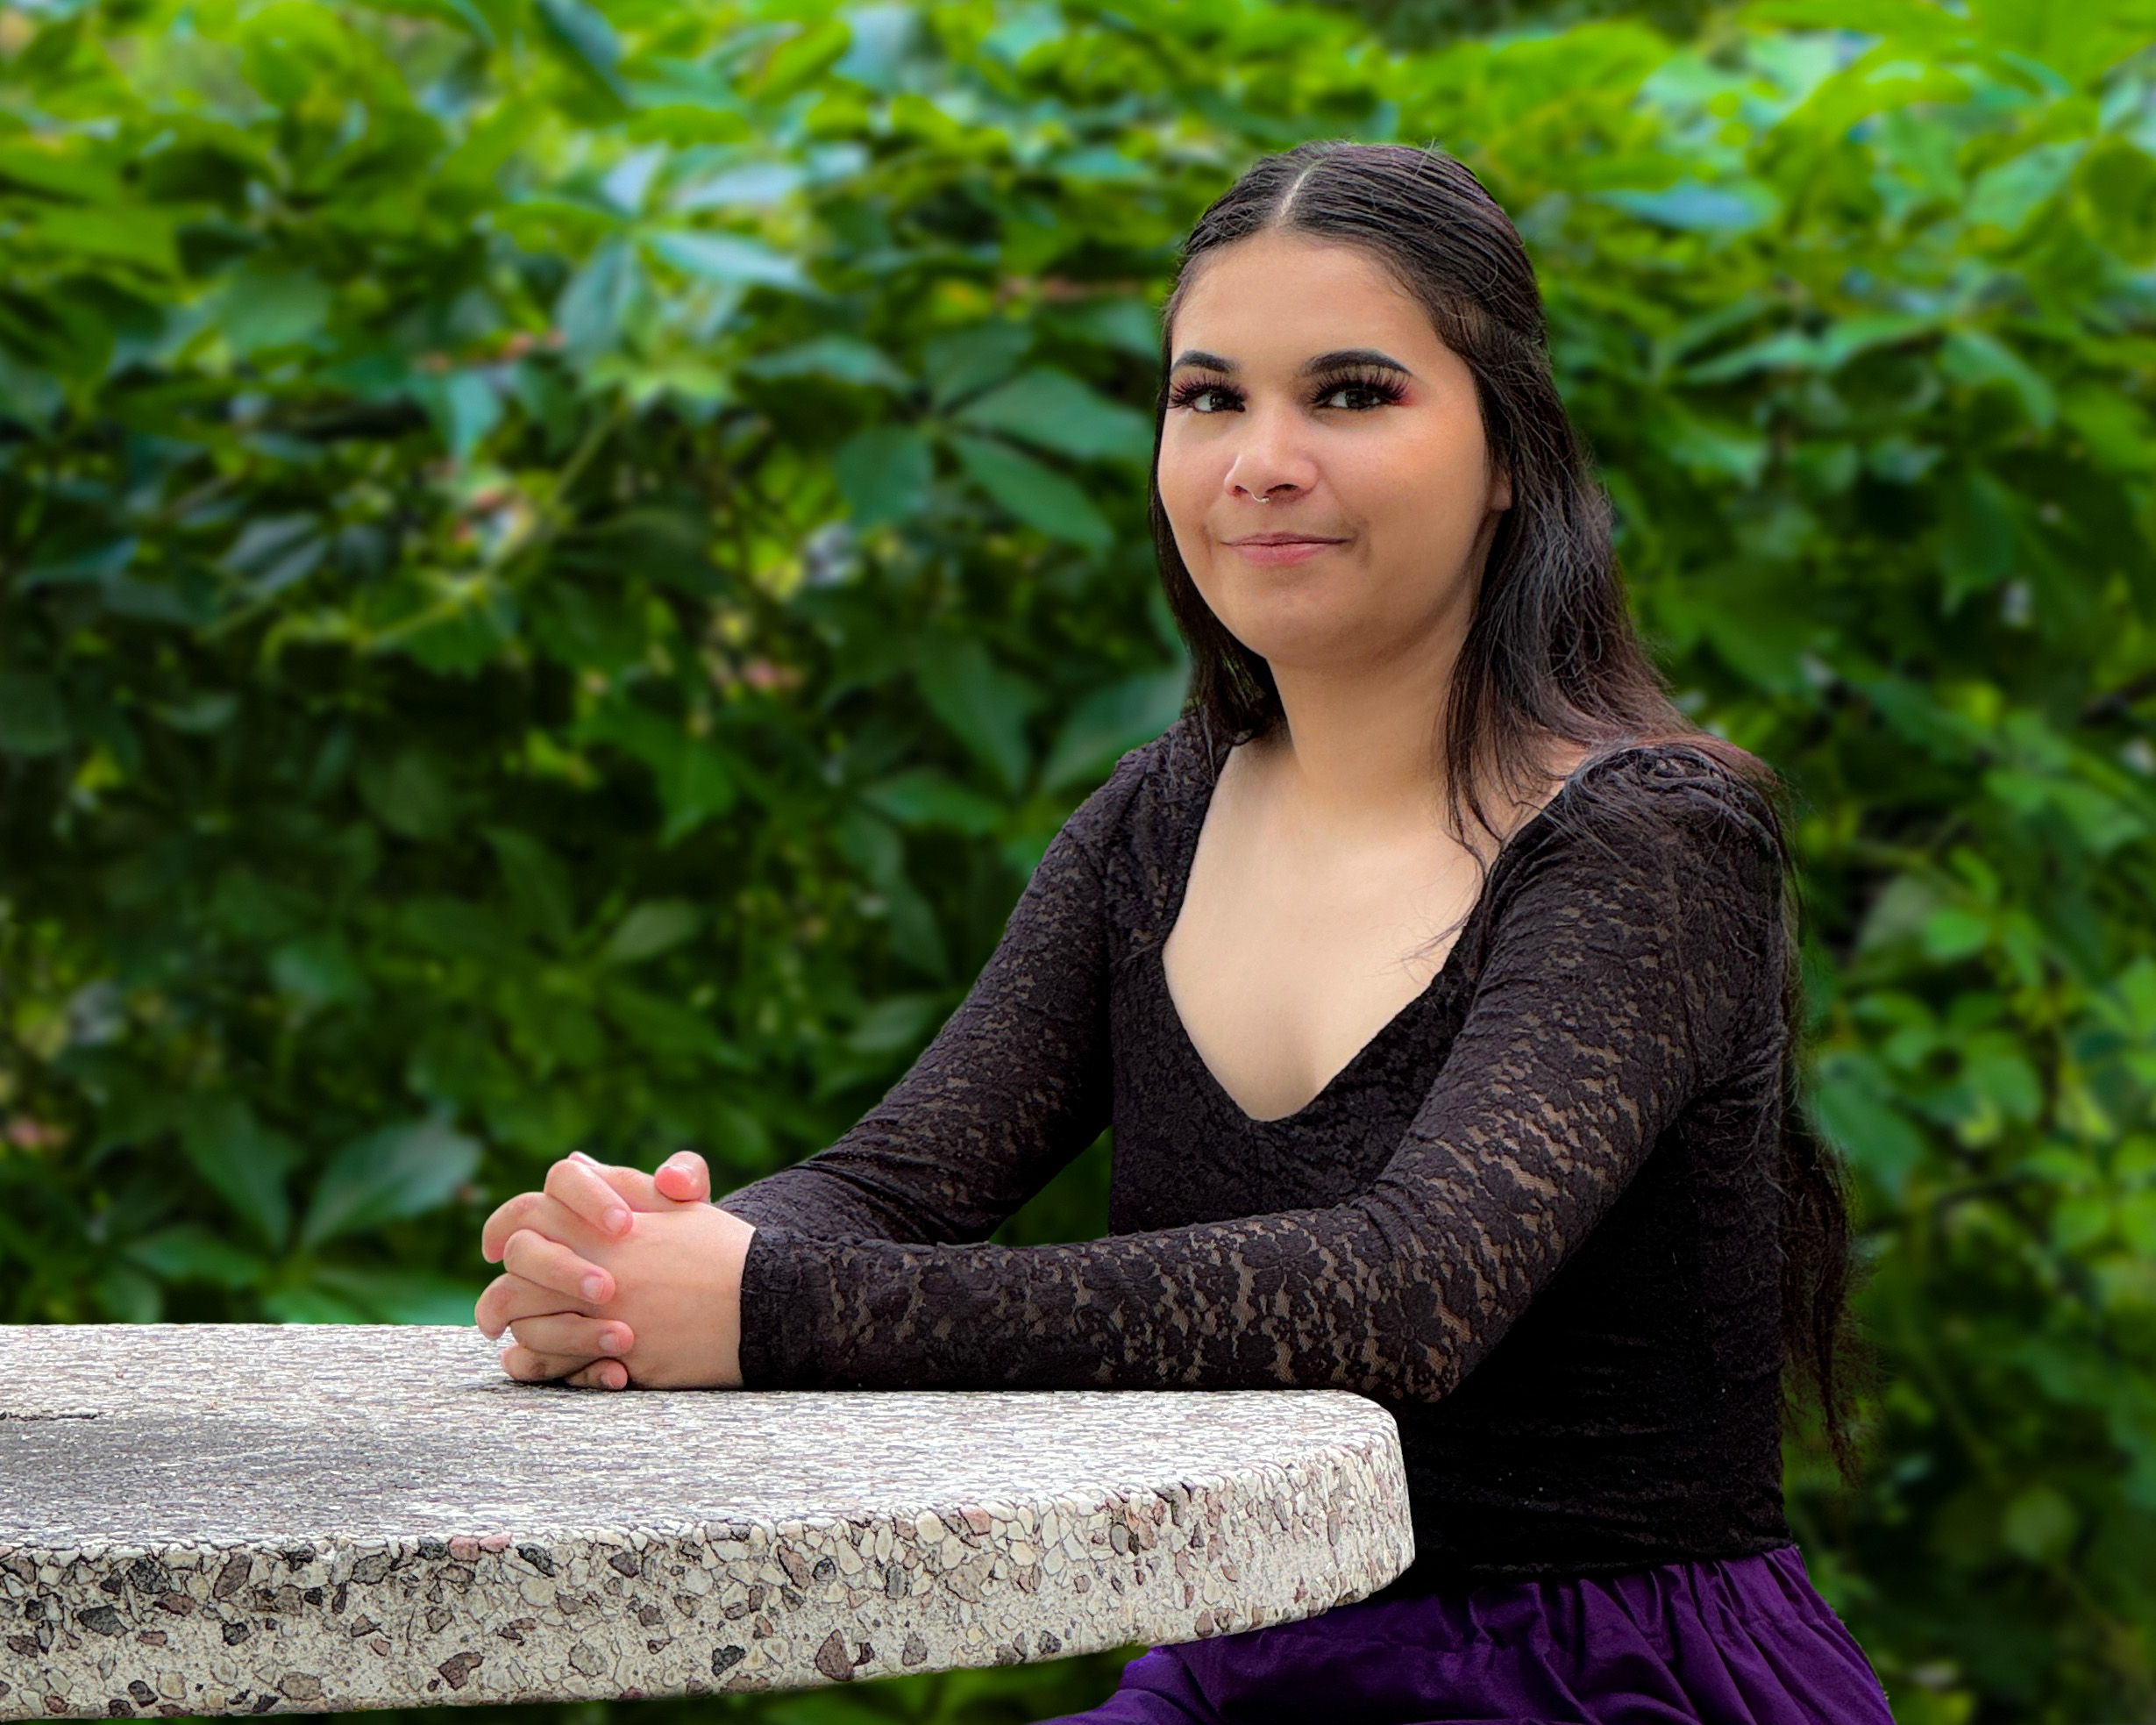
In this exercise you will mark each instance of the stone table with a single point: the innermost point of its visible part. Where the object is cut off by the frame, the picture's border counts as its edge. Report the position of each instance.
(256, 1518)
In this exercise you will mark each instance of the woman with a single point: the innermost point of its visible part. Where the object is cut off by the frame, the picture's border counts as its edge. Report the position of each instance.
(1436, 977)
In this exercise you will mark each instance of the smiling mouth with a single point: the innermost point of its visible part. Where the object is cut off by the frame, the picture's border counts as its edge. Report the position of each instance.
(1285, 540)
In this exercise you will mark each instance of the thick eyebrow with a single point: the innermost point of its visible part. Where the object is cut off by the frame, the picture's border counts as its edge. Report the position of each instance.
(1336, 361)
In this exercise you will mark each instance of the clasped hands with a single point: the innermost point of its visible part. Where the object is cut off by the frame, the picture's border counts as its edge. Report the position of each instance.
(613, 1277)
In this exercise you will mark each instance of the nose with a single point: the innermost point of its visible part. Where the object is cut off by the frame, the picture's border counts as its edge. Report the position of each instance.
(1269, 464)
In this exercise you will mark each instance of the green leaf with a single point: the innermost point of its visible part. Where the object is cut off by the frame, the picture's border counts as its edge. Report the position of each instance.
(1056, 411)
(843, 359)
(2118, 184)
(1849, 1101)
(984, 705)
(242, 1161)
(143, 238)
(400, 1171)
(594, 307)
(203, 714)
(400, 1295)
(2038, 1524)
(1977, 357)
(537, 883)
(312, 1305)
(319, 970)
(883, 473)
(276, 552)
(190, 1252)
(696, 785)
(268, 306)
(665, 1027)
(923, 796)
(1111, 721)
(128, 1296)
(32, 722)
(1693, 208)
(1044, 501)
(728, 257)
(2008, 195)
(1951, 935)
(898, 1024)
(1978, 536)
(658, 542)
(656, 926)
(42, 165)
(409, 793)
(965, 360)
(586, 40)
(457, 928)
(1130, 325)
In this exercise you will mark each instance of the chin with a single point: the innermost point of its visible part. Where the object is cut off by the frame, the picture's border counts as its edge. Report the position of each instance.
(1324, 646)
(1313, 622)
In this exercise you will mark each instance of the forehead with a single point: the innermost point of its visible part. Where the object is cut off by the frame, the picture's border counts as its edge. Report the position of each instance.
(1287, 295)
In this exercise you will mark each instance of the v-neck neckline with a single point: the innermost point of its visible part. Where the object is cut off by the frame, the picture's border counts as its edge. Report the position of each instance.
(1214, 753)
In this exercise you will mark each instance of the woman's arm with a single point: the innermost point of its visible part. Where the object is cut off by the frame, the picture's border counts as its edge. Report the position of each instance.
(1634, 960)
(1014, 1085)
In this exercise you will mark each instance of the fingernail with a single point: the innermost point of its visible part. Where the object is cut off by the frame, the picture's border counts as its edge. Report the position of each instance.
(614, 1342)
(594, 1287)
(578, 1155)
(618, 1221)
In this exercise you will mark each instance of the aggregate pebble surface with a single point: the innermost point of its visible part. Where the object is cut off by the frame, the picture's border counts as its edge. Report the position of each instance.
(246, 1519)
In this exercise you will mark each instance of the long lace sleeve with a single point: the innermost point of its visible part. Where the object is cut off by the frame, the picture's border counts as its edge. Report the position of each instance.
(1632, 962)
(1013, 1086)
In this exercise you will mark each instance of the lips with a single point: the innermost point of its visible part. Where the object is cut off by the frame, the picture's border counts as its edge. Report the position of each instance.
(1281, 550)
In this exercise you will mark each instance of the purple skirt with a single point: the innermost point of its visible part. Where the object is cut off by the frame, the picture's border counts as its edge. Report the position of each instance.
(1742, 1641)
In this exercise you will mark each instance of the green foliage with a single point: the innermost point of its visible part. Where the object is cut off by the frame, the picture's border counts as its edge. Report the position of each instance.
(559, 568)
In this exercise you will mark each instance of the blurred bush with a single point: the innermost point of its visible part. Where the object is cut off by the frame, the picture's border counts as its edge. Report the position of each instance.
(560, 566)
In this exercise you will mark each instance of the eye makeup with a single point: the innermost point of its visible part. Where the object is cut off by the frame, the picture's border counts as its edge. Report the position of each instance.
(1365, 386)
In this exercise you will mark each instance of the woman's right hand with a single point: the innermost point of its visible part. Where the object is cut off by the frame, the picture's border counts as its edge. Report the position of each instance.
(536, 1229)
(683, 1178)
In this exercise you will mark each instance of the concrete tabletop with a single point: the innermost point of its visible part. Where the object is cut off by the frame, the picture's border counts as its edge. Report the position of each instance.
(265, 1518)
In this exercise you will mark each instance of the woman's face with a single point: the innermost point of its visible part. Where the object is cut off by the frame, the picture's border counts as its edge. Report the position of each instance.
(1323, 464)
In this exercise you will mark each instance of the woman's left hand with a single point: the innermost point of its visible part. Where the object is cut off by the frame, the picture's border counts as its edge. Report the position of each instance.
(669, 1318)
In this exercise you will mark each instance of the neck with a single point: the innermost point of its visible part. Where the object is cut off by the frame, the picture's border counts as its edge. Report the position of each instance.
(1365, 743)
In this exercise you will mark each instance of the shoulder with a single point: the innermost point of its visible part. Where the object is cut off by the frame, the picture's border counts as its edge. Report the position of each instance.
(1693, 808)
(1143, 808)
(1150, 784)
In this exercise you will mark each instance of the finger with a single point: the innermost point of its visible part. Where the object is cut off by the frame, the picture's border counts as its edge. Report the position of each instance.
(601, 1375)
(509, 1298)
(634, 1186)
(683, 1177)
(530, 1367)
(568, 1334)
(504, 1219)
(541, 1215)
(576, 1183)
(549, 1264)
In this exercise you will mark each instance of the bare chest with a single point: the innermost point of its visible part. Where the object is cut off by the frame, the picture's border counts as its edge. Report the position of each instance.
(1288, 956)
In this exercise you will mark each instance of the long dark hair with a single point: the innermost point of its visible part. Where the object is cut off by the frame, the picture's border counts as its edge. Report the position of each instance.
(1551, 655)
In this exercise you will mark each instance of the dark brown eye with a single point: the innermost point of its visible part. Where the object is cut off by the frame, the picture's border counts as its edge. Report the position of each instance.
(1359, 392)
(1195, 392)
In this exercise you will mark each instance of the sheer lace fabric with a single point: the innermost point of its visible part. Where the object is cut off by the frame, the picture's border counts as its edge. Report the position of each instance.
(1535, 1215)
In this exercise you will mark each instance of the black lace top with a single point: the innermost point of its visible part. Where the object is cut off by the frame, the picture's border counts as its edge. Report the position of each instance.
(1535, 1216)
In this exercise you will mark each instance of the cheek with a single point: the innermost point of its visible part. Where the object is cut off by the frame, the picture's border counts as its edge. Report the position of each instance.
(1435, 482)
(1188, 473)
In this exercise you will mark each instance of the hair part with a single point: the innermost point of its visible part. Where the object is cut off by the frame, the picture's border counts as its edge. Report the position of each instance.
(1551, 664)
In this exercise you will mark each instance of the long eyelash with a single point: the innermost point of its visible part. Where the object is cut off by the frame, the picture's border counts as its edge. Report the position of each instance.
(1190, 388)
(1384, 385)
